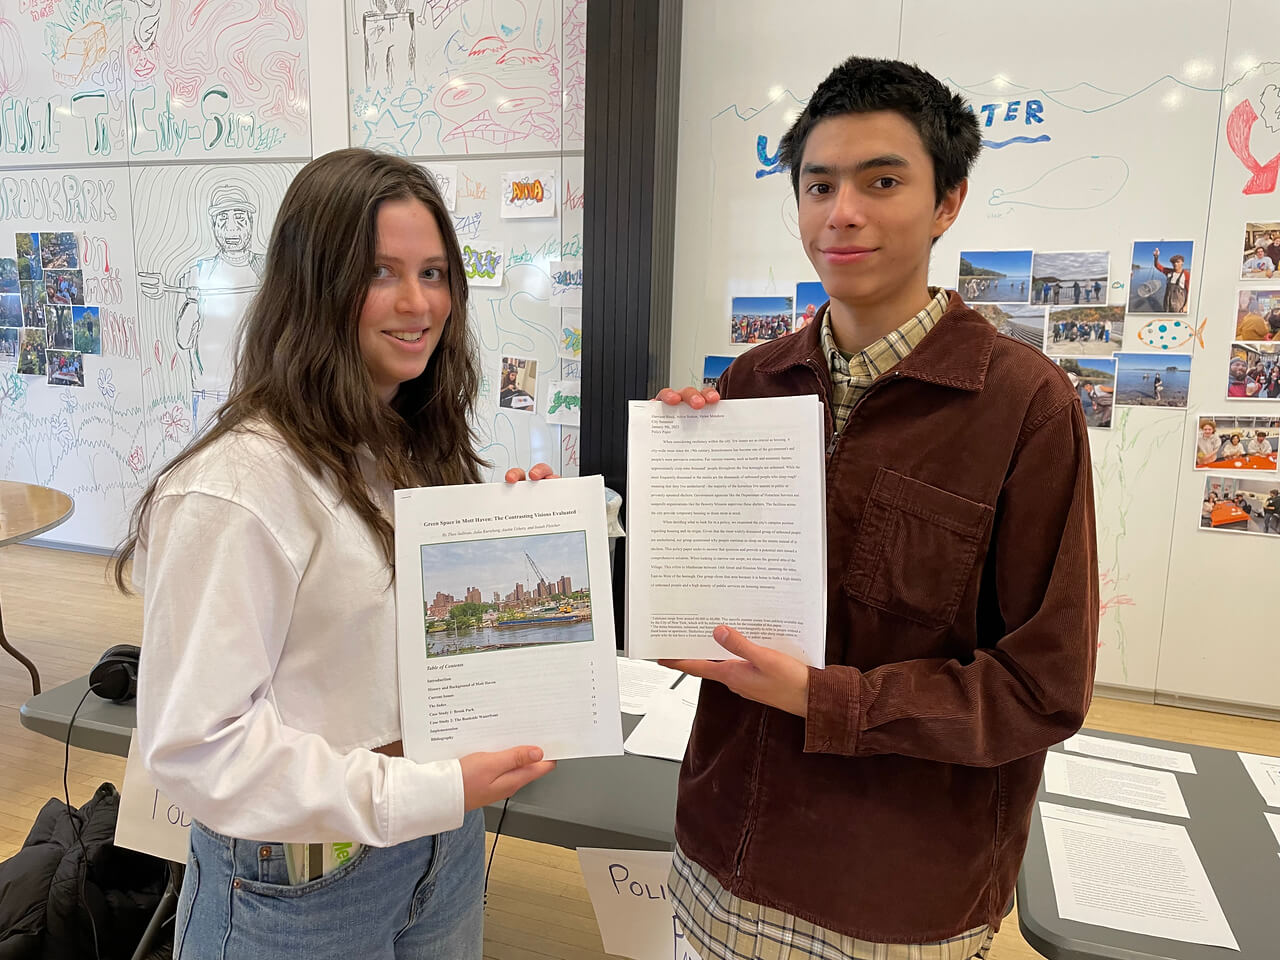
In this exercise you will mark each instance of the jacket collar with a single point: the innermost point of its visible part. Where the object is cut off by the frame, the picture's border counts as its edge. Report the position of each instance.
(955, 353)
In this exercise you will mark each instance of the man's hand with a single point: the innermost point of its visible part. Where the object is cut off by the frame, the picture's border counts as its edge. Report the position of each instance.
(539, 471)
(763, 675)
(691, 395)
(490, 777)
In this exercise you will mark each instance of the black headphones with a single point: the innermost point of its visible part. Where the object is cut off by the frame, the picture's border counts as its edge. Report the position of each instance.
(115, 676)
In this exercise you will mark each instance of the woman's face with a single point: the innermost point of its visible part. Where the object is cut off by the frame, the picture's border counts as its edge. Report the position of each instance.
(1207, 430)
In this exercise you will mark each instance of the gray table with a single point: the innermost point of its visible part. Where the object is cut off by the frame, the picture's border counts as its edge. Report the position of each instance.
(625, 802)
(1235, 845)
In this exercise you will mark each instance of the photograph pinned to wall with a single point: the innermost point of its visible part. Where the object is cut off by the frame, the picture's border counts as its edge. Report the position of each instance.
(10, 310)
(566, 283)
(59, 251)
(66, 368)
(757, 319)
(712, 367)
(1094, 379)
(9, 275)
(484, 262)
(34, 300)
(1240, 505)
(810, 297)
(1152, 380)
(556, 610)
(446, 177)
(1257, 314)
(88, 330)
(9, 344)
(1226, 442)
(28, 245)
(1094, 331)
(32, 344)
(1261, 256)
(995, 276)
(564, 402)
(1253, 371)
(64, 286)
(519, 384)
(569, 343)
(1022, 321)
(60, 326)
(1160, 276)
(1071, 277)
(528, 193)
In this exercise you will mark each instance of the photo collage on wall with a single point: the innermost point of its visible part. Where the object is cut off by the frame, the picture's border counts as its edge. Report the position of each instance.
(46, 327)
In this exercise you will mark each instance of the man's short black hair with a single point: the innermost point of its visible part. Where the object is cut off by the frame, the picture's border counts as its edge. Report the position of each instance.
(944, 121)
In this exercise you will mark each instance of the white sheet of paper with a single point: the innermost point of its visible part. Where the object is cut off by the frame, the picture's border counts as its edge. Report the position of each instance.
(528, 193)
(1265, 774)
(541, 668)
(664, 730)
(148, 821)
(1125, 873)
(566, 283)
(1118, 783)
(727, 524)
(446, 178)
(638, 680)
(1175, 760)
(1273, 821)
(564, 402)
(628, 890)
(484, 262)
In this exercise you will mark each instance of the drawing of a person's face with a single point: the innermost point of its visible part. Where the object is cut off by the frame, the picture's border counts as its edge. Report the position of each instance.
(233, 229)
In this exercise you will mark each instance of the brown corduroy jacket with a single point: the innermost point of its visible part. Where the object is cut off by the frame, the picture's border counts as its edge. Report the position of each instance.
(962, 620)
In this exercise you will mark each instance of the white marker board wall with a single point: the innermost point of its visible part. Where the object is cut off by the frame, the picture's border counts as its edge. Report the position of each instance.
(1101, 128)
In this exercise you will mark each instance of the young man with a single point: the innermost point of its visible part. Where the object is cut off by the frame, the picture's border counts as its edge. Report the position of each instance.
(1177, 282)
(885, 800)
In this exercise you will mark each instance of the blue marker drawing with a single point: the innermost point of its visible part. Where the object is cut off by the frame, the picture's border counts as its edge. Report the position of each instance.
(1079, 184)
(997, 144)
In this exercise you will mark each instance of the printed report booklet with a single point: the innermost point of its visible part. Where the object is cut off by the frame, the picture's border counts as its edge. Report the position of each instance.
(504, 620)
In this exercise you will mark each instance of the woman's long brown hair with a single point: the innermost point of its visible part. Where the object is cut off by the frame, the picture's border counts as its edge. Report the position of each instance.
(300, 368)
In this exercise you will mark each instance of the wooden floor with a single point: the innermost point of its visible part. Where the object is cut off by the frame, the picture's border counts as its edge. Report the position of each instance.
(59, 609)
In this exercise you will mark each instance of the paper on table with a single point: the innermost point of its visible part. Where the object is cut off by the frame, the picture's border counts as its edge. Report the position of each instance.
(1265, 774)
(1121, 872)
(638, 680)
(539, 665)
(628, 890)
(1116, 783)
(148, 821)
(1132, 753)
(727, 525)
(1273, 820)
(664, 731)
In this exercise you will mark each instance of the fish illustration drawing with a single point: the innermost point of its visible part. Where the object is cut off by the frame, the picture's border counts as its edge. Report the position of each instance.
(1169, 334)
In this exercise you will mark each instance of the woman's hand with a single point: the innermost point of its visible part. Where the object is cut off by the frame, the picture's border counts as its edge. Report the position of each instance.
(490, 777)
(539, 471)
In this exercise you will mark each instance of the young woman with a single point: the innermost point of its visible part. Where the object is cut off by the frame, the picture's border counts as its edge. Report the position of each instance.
(267, 702)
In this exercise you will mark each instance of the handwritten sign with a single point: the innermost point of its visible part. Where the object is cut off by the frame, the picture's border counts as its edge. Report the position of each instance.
(484, 262)
(628, 890)
(566, 283)
(569, 343)
(528, 193)
(149, 822)
(564, 402)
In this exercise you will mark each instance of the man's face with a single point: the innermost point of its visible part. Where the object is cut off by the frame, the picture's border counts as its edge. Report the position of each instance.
(233, 229)
(867, 206)
(1237, 369)
(1176, 263)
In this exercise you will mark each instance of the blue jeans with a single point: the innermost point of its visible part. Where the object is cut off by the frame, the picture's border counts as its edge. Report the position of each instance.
(419, 900)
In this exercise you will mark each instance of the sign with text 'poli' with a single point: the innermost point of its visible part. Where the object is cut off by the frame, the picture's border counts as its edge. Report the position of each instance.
(628, 890)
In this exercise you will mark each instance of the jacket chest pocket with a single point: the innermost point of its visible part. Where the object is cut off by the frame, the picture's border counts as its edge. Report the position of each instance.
(915, 550)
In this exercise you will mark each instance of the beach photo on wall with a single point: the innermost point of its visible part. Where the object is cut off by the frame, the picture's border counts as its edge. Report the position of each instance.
(1094, 331)
(1160, 276)
(1152, 380)
(1022, 321)
(1079, 276)
(995, 276)
(483, 596)
(1094, 379)
(757, 319)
